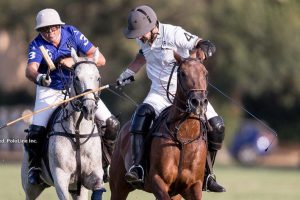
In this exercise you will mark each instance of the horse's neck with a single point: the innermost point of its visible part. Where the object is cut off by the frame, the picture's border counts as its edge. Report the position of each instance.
(179, 106)
(176, 114)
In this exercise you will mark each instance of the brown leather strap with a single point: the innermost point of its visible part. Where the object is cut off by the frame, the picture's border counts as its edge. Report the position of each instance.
(78, 157)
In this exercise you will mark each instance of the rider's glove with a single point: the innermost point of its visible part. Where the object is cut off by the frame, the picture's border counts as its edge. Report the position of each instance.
(43, 80)
(126, 77)
(207, 47)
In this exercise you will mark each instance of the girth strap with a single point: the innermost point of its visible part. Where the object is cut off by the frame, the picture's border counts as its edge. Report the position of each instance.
(70, 135)
(73, 136)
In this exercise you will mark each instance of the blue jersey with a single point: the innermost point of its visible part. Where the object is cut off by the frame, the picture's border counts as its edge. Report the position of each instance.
(70, 38)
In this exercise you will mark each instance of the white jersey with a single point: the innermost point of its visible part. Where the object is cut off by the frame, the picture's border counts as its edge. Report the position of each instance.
(160, 55)
(160, 61)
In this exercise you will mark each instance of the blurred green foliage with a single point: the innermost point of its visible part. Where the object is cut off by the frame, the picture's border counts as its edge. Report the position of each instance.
(256, 62)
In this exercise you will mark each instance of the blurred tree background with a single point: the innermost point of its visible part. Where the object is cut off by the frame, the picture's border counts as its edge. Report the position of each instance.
(256, 62)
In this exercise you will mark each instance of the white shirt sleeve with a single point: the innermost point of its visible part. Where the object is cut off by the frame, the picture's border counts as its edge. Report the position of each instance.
(184, 39)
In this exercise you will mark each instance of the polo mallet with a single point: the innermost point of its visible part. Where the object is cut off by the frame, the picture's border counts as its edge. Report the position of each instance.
(48, 60)
(53, 105)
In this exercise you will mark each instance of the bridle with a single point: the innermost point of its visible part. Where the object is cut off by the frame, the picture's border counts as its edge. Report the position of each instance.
(78, 103)
(199, 94)
(186, 92)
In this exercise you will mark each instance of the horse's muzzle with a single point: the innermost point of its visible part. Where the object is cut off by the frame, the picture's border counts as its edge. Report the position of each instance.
(197, 102)
(89, 108)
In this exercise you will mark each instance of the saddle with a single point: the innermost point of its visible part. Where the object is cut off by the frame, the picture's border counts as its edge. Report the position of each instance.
(159, 129)
(45, 157)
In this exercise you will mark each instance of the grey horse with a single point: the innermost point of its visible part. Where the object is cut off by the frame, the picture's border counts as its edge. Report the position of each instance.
(75, 163)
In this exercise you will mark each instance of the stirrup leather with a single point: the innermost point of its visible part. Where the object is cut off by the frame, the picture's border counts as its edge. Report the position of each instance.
(142, 170)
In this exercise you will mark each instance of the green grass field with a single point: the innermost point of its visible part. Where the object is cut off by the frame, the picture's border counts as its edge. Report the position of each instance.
(241, 184)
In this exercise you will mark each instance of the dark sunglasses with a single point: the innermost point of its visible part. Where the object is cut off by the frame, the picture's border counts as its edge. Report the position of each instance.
(48, 29)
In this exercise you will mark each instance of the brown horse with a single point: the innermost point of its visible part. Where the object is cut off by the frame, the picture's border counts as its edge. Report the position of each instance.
(176, 154)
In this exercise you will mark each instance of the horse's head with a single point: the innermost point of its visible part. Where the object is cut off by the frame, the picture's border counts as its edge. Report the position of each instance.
(192, 85)
(86, 78)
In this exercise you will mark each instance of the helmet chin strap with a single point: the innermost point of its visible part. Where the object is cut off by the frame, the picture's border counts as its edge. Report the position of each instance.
(153, 35)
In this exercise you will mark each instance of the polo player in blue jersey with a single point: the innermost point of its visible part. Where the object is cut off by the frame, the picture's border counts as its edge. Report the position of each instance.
(58, 39)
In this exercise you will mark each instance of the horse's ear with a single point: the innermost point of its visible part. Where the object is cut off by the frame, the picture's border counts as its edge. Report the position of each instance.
(177, 57)
(96, 55)
(74, 55)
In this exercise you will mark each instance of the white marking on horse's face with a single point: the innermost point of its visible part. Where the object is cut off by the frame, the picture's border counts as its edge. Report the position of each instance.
(89, 77)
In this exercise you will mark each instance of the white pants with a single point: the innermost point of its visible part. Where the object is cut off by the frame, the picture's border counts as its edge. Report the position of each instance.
(46, 96)
(160, 102)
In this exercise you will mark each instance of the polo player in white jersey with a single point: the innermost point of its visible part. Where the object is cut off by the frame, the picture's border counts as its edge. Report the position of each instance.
(158, 42)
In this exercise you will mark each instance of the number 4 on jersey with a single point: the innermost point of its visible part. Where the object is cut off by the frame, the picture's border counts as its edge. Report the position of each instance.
(188, 36)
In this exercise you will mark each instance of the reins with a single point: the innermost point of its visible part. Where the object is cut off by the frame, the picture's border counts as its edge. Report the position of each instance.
(248, 112)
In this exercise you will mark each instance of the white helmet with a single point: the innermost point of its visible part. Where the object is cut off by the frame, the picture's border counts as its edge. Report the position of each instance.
(47, 17)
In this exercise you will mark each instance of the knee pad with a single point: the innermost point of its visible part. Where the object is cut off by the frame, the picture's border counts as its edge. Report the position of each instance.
(142, 119)
(35, 138)
(36, 132)
(112, 128)
(216, 136)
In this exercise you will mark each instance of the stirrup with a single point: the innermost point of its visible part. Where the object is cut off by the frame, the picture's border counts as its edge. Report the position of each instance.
(137, 167)
(34, 176)
(206, 181)
(106, 174)
(212, 185)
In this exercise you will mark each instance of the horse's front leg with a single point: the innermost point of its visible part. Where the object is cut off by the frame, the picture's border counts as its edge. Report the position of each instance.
(61, 182)
(83, 194)
(62, 164)
(194, 192)
(160, 188)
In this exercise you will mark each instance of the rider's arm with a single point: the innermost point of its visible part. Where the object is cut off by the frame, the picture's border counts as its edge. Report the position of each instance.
(132, 69)
(101, 60)
(69, 62)
(137, 63)
(31, 71)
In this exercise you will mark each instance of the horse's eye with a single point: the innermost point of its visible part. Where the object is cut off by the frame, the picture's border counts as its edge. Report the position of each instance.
(76, 78)
(182, 74)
